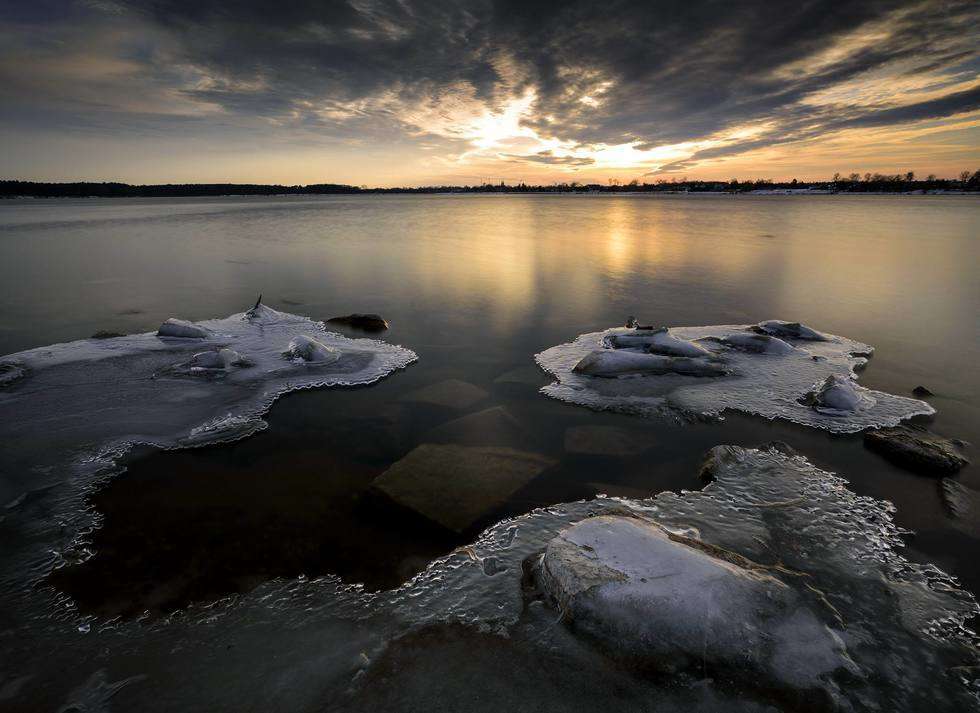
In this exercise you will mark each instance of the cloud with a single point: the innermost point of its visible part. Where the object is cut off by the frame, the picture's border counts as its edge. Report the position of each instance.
(571, 80)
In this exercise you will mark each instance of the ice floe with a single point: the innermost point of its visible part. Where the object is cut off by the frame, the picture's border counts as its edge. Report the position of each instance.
(774, 369)
(137, 388)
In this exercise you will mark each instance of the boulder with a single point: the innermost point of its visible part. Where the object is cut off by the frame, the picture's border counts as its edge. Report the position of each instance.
(916, 449)
(963, 504)
(757, 343)
(921, 391)
(494, 426)
(659, 342)
(182, 329)
(365, 322)
(605, 441)
(306, 348)
(837, 394)
(672, 602)
(529, 375)
(458, 486)
(794, 330)
(10, 372)
(217, 360)
(452, 393)
(612, 363)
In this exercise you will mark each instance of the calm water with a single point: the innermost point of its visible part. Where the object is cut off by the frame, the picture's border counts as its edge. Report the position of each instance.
(476, 285)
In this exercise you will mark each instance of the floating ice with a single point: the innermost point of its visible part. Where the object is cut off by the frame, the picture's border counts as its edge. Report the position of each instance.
(137, 388)
(744, 368)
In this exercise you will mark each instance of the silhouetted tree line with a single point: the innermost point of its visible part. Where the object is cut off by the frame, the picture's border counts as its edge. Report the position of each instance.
(852, 183)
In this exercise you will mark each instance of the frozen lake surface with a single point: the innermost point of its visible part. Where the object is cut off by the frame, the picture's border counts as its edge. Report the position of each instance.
(274, 573)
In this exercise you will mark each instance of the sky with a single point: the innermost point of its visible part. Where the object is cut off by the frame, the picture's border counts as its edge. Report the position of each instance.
(408, 93)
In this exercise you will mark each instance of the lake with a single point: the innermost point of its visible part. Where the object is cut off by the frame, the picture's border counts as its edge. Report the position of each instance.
(476, 285)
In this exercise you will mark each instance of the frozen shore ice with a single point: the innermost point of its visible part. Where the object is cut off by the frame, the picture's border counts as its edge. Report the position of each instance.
(773, 369)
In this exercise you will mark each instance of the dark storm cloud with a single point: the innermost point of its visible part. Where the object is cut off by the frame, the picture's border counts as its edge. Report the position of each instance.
(653, 73)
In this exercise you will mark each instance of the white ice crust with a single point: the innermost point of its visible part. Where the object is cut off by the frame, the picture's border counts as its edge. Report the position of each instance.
(147, 387)
(774, 369)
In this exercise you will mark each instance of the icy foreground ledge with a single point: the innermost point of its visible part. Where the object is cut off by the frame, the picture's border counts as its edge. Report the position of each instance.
(187, 384)
(774, 369)
(677, 602)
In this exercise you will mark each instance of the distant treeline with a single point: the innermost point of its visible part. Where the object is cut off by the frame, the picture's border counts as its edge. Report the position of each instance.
(853, 183)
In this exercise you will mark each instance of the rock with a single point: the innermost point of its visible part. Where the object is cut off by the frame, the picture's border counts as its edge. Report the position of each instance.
(106, 334)
(452, 393)
(605, 441)
(921, 391)
(306, 348)
(963, 504)
(916, 449)
(720, 456)
(757, 343)
(494, 426)
(659, 342)
(11, 372)
(457, 486)
(530, 375)
(182, 329)
(217, 360)
(612, 363)
(794, 330)
(672, 602)
(837, 394)
(365, 322)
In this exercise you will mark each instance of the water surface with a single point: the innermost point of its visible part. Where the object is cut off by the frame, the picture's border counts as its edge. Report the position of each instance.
(476, 285)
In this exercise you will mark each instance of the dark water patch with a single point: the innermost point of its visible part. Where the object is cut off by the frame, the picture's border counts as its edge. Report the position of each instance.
(197, 525)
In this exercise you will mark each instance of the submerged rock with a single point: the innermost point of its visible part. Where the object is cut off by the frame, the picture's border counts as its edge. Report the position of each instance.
(794, 330)
(673, 602)
(963, 504)
(182, 329)
(457, 486)
(366, 322)
(921, 391)
(495, 426)
(916, 449)
(451, 393)
(605, 441)
(306, 348)
(612, 363)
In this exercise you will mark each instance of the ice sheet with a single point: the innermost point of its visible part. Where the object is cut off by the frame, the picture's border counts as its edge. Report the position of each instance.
(767, 375)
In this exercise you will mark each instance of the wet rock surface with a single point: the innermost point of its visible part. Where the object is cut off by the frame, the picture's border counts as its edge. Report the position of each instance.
(451, 393)
(458, 486)
(366, 322)
(606, 441)
(916, 449)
